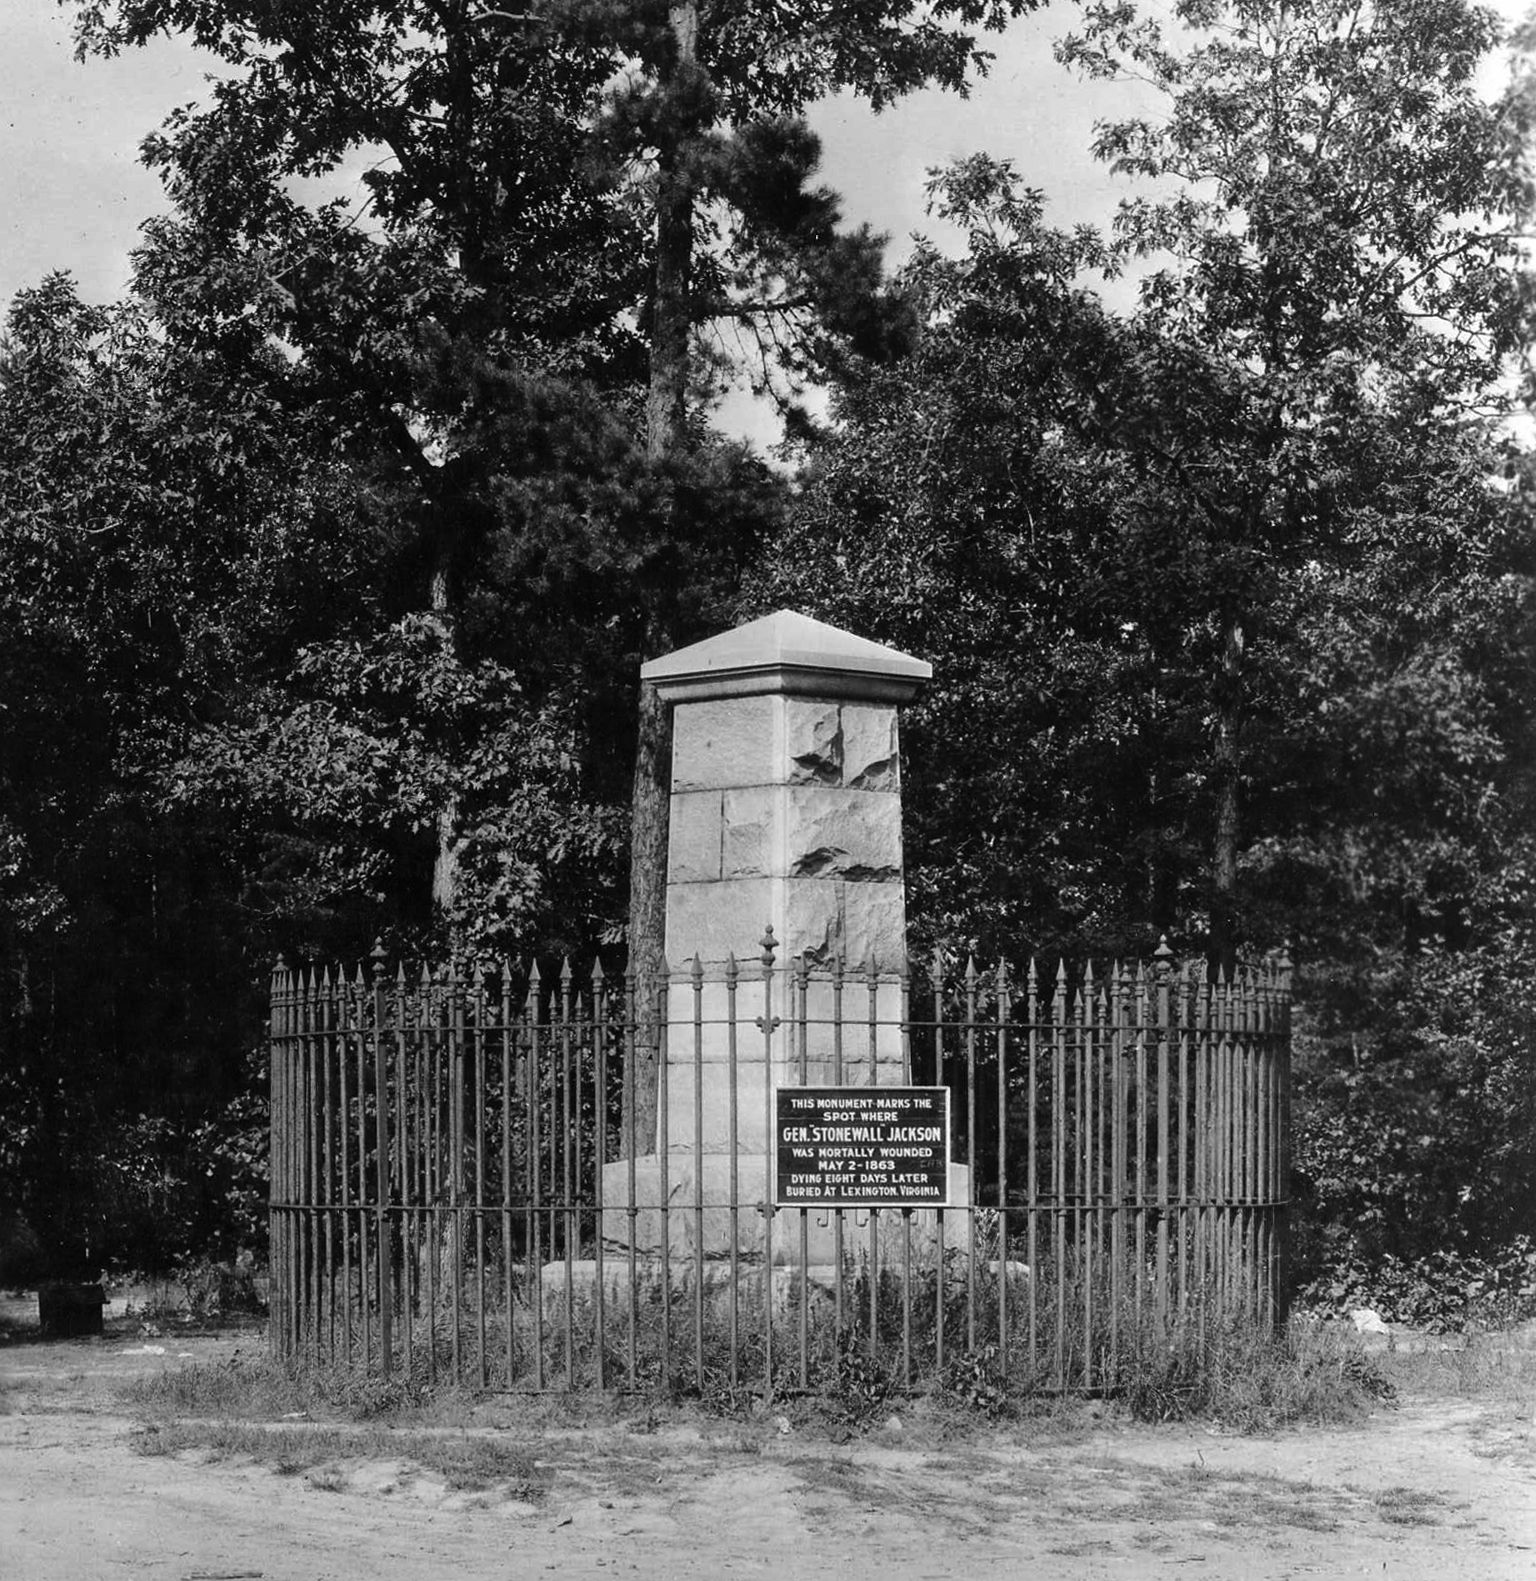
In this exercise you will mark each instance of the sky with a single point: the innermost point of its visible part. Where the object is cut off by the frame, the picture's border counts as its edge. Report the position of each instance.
(72, 194)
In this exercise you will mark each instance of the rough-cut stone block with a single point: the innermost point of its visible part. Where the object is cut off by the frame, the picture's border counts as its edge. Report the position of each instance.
(752, 833)
(683, 1126)
(842, 1047)
(673, 1222)
(836, 833)
(813, 919)
(712, 920)
(827, 919)
(695, 837)
(875, 925)
(813, 743)
(667, 1215)
(871, 756)
(727, 741)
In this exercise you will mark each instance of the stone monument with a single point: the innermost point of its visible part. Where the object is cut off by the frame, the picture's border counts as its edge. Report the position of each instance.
(785, 816)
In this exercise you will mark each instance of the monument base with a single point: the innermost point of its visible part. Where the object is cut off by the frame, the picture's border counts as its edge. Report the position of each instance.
(695, 1210)
(566, 1288)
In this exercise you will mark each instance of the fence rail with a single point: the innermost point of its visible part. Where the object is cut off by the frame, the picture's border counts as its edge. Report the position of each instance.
(464, 1184)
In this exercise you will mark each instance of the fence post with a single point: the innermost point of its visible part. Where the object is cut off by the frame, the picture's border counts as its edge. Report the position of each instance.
(1162, 962)
(382, 1162)
(1284, 969)
(276, 1173)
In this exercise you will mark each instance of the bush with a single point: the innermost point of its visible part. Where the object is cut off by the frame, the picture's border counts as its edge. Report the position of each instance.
(1415, 1124)
(1442, 1292)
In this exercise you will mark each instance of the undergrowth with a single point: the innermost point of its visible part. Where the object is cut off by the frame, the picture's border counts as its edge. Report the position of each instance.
(1247, 1378)
(1443, 1292)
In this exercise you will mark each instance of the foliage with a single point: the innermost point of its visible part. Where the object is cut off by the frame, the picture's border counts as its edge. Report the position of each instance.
(1330, 296)
(1414, 1129)
(357, 748)
(161, 536)
(1441, 1291)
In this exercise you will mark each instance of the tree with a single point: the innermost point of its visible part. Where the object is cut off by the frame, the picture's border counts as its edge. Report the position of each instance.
(1340, 241)
(162, 536)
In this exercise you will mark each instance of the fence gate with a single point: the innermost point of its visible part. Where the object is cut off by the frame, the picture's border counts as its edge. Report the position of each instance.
(466, 1184)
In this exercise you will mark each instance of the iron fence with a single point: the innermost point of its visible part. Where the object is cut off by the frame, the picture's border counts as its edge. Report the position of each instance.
(468, 1184)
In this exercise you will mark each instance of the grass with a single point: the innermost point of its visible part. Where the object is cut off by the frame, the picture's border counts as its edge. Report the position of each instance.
(1239, 1499)
(250, 1388)
(949, 1464)
(1476, 1366)
(1204, 1362)
(1243, 1376)
(247, 1409)
(1234, 1374)
(1406, 1506)
(462, 1463)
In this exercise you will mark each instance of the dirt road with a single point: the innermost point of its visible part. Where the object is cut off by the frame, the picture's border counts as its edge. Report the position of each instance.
(1434, 1489)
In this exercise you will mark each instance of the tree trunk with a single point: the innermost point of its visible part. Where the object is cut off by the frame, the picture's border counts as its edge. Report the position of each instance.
(671, 309)
(648, 903)
(1228, 780)
(666, 432)
(445, 863)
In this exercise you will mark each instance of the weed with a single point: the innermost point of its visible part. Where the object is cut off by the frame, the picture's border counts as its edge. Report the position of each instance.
(856, 1383)
(1405, 1506)
(1476, 1366)
(249, 1387)
(1239, 1373)
(990, 1338)
(976, 1380)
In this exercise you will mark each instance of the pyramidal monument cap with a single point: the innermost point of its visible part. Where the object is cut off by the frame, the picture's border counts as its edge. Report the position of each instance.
(790, 653)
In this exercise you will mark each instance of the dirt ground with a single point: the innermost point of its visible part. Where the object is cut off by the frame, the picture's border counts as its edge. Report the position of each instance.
(1439, 1487)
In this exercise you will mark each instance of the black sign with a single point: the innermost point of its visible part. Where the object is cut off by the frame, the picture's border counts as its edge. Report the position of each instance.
(862, 1147)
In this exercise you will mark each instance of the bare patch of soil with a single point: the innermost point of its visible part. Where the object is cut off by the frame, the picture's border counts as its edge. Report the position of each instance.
(1440, 1486)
